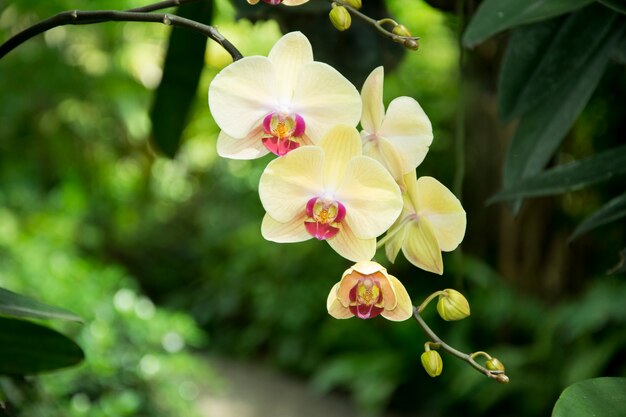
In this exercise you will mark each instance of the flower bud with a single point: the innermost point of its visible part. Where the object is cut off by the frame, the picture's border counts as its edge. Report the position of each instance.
(411, 44)
(503, 379)
(356, 4)
(340, 17)
(401, 30)
(432, 363)
(452, 305)
(494, 364)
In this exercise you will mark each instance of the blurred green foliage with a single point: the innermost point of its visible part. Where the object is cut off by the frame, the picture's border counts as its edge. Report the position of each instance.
(93, 221)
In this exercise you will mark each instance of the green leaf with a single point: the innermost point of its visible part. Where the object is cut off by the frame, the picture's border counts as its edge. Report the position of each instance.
(617, 5)
(540, 131)
(569, 177)
(619, 51)
(181, 74)
(548, 57)
(16, 305)
(27, 348)
(494, 16)
(604, 397)
(611, 211)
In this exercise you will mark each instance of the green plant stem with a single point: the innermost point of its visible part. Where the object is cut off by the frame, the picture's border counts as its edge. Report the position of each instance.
(77, 17)
(428, 300)
(497, 375)
(378, 24)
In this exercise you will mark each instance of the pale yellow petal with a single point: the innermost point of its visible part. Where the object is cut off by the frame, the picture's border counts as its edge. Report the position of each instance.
(371, 197)
(368, 267)
(408, 130)
(250, 147)
(380, 149)
(334, 307)
(346, 244)
(340, 144)
(289, 182)
(288, 55)
(443, 211)
(294, 2)
(372, 96)
(421, 247)
(404, 307)
(325, 98)
(394, 244)
(290, 232)
(409, 181)
(242, 94)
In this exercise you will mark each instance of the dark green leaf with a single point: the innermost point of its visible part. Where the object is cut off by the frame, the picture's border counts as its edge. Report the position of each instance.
(611, 211)
(27, 348)
(569, 177)
(181, 73)
(548, 58)
(620, 267)
(16, 305)
(604, 397)
(540, 131)
(619, 51)
(494, 16)
(617, 5)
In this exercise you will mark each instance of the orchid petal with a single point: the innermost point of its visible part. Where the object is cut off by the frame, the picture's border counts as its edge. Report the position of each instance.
(373, 107)
(409, 130)
(290, 232)
(394, 244)
(371, 196)
(324, 98)
(242, 94)
(380, 149)
(289, 182)
(334, 306)
(294, 2)
(288, 55)
(368, 268)
(340, 144)
(421, 247)
(443, 211)
(404, 307)
(346, 244)
(249, 147)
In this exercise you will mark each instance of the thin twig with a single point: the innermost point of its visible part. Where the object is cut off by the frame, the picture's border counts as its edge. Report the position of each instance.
(160, 6)
(77, 17)
(497, 375)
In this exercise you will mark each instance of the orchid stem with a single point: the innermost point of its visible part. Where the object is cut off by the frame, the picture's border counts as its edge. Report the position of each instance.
(140, 14)
(499, 376)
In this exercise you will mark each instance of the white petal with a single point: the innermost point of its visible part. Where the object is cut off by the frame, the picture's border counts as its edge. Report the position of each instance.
(250, 147)
(409, 131)
(443, 211)
(340, 144)
(290, 181)
(421, 247)
(288, 55)
(242, 94)
(371, 197)
(346, 244)
(324, 98)
(372, 96)
(290, 232)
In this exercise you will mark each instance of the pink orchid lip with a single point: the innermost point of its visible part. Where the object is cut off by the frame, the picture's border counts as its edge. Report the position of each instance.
(284, 131)
(323, 214)
(273, 2)
(365, 309)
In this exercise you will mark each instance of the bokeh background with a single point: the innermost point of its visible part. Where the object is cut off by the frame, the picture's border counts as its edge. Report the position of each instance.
(164, 260)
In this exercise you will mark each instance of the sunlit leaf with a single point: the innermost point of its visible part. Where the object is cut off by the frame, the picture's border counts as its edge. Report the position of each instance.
(547, 58)
(494, 16)
(16, 305)
(27, 348)
(541, 130)
(617, 5)
(604, 397)
(569, 177)
(611, 211)
(181, 73)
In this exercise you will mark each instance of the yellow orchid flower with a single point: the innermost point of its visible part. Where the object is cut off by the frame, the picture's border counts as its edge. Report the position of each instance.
(366, 291)
(432, 221)
(330, 192)
(279, 102)
(398, 139)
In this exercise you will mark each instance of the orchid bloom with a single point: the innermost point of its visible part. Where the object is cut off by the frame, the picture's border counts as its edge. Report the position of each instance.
(277, 2)
(277, 103)
(399, 139)
(432, 221)
(366, 291)
(330, 192)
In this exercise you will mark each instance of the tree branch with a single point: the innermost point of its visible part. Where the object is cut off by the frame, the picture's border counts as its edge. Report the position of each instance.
(141, 14)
